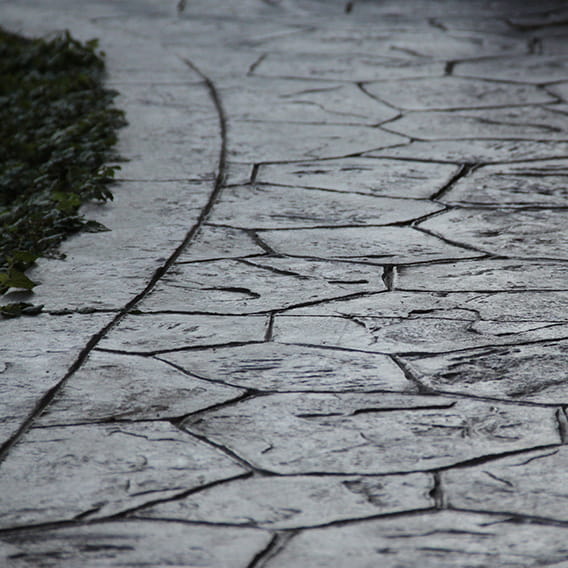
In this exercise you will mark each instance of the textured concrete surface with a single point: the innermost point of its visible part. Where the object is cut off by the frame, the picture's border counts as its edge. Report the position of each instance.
(329, 325)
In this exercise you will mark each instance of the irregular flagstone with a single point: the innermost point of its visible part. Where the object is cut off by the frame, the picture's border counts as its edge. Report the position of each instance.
(416, 334)
(281, 141)
(344, 67)
(391, 178)
(445, 539)
(534, 69)
(521, 122)
(492, 275)
(212, 243)
(276, 207)
(163, 332)
(133, 543)
(293, 502)
(454, 93)
(59, 473)
(277, 367)
(525, 183)
(530, 484)
(535, 373)
(275, 100)
(506, 232)
(473, 151)
(110, 386)
(259, 285)
(393, 245)
(496, 306)
(370, 433)
(35, 355)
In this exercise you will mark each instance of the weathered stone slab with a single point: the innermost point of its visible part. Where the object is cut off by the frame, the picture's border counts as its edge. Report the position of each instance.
(133, 543)
(281, 141)
(529, 484)
(485, 276)
(525, 183)
(559, 89)
(522, 122)
(438, 93)
(276, 100)
(412, 335)
(371, 433)
(35, 355)
(293, 502)
(529, 234)
(534, 69)
(259, 285)
(163, 332)
(277, 367)
(497, 306)
(213, 243)
(123, 387)
(446, 539)
(390, 178)
(396, 245)
(277, 207)
(56, 474)
(344, 67)
(535, 373)
(473, 151)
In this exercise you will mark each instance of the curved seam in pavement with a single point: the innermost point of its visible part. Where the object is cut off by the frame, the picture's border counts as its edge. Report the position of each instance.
(47, 398)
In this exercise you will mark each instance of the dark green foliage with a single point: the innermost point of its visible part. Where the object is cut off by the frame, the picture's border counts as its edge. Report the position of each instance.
(57, 130)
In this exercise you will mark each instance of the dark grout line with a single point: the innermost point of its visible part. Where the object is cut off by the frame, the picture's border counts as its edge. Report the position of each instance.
(47, 398)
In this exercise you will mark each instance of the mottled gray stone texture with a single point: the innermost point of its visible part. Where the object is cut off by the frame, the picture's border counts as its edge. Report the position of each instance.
(328, 327)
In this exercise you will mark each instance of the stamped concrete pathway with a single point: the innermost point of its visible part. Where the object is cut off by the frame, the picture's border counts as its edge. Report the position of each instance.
(329, 327)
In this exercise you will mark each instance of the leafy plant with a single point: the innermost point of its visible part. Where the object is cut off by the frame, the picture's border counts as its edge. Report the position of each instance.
(57, 131)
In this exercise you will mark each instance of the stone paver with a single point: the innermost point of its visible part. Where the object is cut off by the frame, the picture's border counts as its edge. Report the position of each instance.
(329, 324)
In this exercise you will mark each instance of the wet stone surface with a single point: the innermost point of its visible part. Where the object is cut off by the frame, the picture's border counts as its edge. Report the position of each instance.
(389, 178)
(371, 433)
(102, 470)
(277, 367)
(302, 501)
(134, 543)
(328, 327)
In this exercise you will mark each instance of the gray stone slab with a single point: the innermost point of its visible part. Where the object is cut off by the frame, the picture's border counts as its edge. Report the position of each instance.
(535, 373)
(454, 93)
(473, 151)
(280, 141)
(514, 123)
(496, 306)
(559, 89)
(415, 335)
(485, 276)
(278, 207)
(344, 67)
(277, 367)
(276, 100)
(530, 484)
(163, 332)
(369, 433)
(390, 178)
(212, 243)
(57, 474)
(436, 540)
(534, 69)
(133, 543)
(528, 234)
(523, 183)
(110, 386)
(396, 245)
(258, 285)
(35, 355)
(303, 501)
